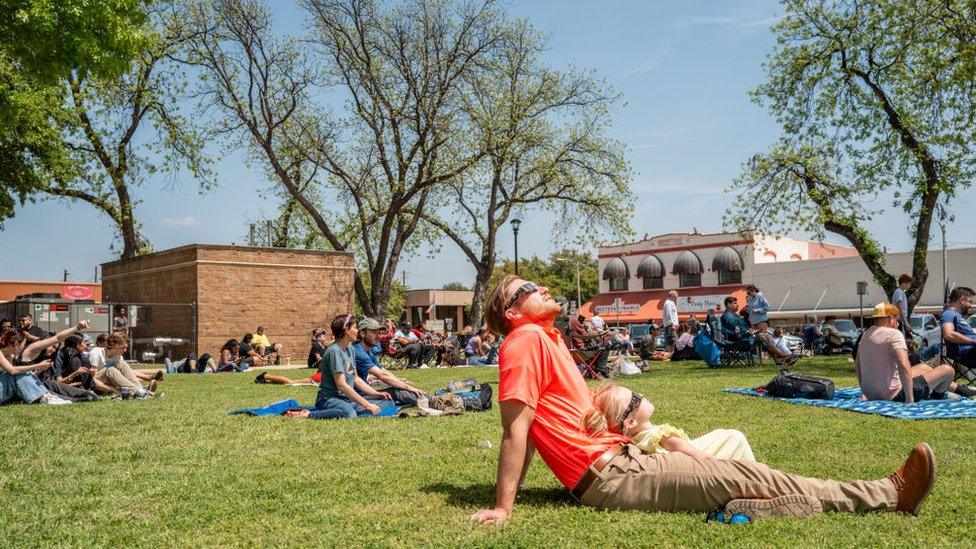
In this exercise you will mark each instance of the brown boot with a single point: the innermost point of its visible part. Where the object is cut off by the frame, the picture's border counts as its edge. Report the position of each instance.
(914, 479)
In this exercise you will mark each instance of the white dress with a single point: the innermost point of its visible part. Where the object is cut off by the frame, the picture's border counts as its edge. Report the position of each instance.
(720, 443)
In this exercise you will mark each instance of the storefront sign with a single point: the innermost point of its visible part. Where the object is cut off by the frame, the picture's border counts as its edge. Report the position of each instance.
(619, 307)
(700, 303)
(77, 292)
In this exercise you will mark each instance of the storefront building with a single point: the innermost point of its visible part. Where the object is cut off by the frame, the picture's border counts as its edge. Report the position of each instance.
(797, 277)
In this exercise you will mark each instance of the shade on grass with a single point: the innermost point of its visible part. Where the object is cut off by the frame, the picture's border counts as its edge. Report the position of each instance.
(180, 471)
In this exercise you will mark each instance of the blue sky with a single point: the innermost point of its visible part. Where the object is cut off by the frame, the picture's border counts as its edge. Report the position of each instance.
(684, 69)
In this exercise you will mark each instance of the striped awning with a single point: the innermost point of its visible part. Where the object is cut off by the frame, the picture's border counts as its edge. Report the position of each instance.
(616, 269)
(687, 263)
(650, 267)
(728, 260)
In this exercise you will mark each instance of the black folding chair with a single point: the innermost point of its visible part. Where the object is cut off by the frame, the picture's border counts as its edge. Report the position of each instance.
(734, 354)
(965, 370)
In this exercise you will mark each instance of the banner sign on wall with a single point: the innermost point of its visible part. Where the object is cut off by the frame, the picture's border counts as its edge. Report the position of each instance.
(699, 303)
(77, 292)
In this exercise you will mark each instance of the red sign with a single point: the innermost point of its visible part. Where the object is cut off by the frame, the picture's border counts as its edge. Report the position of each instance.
(58, 307)
(77, 292)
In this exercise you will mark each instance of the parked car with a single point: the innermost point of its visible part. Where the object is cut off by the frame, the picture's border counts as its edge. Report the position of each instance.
(927, 328)
(794, 343)
(847, 329)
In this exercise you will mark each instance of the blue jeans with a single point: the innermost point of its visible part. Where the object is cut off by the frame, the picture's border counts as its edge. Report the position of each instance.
(929, 352)
(342, 408)
(27, 386)
(488, 359)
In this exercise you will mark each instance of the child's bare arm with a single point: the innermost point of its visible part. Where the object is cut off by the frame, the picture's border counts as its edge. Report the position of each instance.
(680, 445)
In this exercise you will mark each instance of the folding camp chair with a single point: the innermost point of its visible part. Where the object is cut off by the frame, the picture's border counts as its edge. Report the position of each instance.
(965, 371)
(588, 364)
(745, 353)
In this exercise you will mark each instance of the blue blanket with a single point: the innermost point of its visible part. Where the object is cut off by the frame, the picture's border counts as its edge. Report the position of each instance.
(282, 406)
(849, 398)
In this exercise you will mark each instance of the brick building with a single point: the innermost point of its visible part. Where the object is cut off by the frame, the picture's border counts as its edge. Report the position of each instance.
(235, 288)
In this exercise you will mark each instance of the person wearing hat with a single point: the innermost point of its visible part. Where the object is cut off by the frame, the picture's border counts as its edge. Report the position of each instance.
(884, 372)
(367, 349)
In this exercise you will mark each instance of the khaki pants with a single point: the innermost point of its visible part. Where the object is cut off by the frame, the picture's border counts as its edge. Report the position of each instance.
(677, 482)
(120, 375)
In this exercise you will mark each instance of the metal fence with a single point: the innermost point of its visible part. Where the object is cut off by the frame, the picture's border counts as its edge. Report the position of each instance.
(155, 330)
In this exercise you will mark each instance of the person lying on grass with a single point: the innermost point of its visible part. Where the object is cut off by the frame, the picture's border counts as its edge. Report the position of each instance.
(619, 410)
(342, 394)
(542, 398)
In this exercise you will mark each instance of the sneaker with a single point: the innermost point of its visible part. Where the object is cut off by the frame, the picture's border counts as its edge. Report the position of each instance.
(792, 505)
(260, 378)
(424, 366)
(51, 398)
(914, 479)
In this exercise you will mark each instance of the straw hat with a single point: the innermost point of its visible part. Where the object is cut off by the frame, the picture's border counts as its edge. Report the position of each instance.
(884, 309)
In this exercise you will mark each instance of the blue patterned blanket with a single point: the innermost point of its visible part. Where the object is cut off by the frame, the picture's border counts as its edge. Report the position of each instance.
(849, 398)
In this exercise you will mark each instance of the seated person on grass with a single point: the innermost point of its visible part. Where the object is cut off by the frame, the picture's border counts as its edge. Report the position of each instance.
(884, 371)
(833, 337)
(958, 335)
(76, 368)
(684, 348)
(114, 372)
(617, 409)
(191, 365)
(735, 330)
(651, 352)
(319, 344)
(264, 347)
(367, 349)
(481, 349)
(542, 401)
(230, 360)
(341, 392)
(249, 356)
(22, 382)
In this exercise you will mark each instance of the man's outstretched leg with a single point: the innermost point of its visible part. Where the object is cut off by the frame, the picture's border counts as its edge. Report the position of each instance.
(676, 482)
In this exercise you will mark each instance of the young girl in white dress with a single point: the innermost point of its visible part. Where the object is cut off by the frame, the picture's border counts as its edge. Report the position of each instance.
(620, 410)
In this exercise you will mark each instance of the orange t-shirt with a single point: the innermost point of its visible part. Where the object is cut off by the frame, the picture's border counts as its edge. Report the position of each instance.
(535, 368)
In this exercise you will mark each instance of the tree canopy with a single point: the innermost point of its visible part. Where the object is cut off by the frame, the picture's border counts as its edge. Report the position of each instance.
(877, 102)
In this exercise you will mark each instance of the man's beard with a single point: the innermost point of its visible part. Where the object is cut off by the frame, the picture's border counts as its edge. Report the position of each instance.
(544, 312)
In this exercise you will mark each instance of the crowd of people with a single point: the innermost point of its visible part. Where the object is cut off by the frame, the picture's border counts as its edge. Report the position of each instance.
(67, 366)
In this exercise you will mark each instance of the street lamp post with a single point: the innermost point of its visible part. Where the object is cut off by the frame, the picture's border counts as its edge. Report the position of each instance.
(515, 228)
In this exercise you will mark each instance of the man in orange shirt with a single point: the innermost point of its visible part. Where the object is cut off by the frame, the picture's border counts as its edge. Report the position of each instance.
(542, 398)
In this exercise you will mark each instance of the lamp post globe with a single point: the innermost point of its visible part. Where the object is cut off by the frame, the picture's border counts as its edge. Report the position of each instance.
(515, 229)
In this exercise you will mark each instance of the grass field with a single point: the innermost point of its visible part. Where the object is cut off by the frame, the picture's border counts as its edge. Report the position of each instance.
(180, 472)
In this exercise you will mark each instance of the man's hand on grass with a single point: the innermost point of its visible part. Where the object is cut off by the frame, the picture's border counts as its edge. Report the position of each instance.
(490, 516)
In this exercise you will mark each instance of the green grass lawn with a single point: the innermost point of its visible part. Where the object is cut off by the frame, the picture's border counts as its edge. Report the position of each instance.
(180, 471)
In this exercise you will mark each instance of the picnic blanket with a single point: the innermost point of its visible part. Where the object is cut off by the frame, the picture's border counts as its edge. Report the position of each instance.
(277, 408)
(849, 398)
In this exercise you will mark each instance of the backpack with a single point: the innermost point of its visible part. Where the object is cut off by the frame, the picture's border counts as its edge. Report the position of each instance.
(788, 384)
(475, 400)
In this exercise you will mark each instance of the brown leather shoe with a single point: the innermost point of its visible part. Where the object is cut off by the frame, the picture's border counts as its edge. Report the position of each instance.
(914, 479)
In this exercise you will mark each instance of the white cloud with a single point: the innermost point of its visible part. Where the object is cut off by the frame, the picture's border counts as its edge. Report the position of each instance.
(734, 21)
(651, 63)
(187, 221)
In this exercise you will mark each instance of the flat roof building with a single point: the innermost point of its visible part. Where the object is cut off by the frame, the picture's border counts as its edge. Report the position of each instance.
(797, 277)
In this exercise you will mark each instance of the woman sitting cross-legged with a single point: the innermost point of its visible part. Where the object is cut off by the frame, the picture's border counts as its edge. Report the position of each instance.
(341, 390)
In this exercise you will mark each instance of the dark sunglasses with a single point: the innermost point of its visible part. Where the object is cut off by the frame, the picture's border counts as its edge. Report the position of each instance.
(634, 401)
(526, 288)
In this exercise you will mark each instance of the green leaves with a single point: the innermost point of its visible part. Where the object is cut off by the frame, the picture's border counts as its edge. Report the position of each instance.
(876, 99)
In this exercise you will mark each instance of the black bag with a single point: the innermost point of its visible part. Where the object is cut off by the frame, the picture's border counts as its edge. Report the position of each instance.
(788, 384)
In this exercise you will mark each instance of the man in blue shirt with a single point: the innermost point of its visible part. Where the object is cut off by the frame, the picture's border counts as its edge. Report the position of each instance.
(366, 351)
(735, 329)
(958, 335)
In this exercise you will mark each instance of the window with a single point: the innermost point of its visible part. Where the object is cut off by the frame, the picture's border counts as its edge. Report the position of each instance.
(730, 277)
(690, 279)
(618, 285)
(652, 282)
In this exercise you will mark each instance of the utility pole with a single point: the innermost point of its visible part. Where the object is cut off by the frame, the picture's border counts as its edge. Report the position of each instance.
(66, 275)
(252, 235)
(943, 217)
(267, 225)
(403, 276)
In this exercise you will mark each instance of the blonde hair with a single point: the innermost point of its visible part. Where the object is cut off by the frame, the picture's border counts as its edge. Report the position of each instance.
(607, 411)
(494, 307)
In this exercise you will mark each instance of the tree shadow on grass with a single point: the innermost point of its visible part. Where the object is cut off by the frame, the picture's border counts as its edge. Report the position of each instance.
(483, 495)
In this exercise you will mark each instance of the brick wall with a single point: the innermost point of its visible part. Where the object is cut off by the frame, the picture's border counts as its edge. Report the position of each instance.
(236, 288)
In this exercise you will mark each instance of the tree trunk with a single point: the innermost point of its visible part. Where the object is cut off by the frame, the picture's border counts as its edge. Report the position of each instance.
(482, 277)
